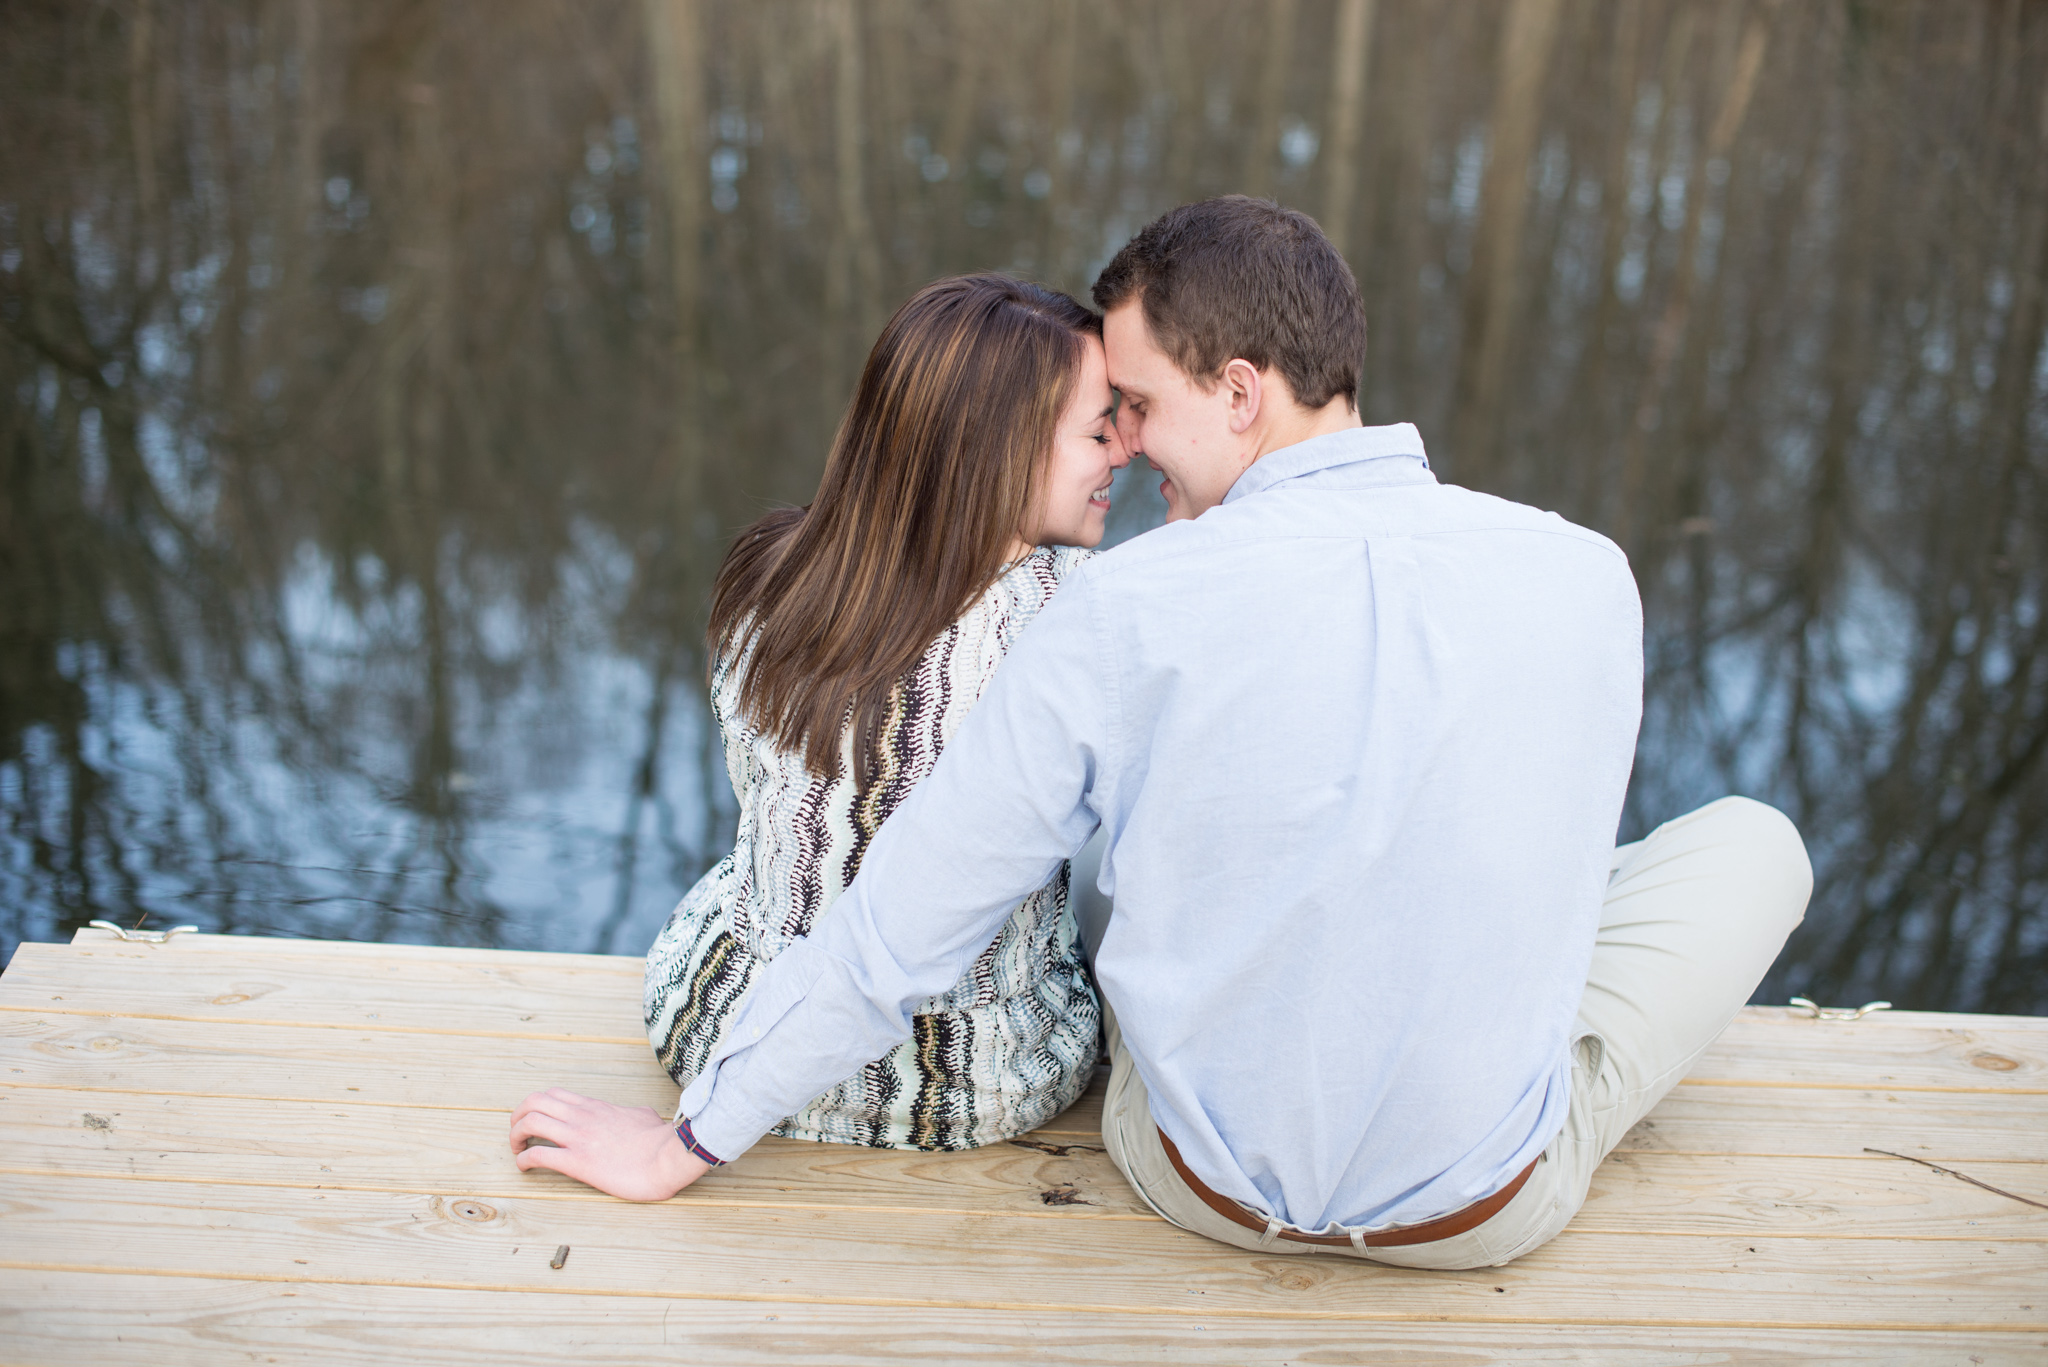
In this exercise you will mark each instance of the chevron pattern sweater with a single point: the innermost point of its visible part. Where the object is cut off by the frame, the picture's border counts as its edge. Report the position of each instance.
(1013, 1043)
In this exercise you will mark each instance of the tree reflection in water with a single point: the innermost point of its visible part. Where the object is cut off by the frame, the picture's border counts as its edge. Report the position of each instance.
(382, 381)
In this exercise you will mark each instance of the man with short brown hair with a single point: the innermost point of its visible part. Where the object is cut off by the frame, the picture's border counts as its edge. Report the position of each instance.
(1220, 302)
(1235, 337)
(1242, 277)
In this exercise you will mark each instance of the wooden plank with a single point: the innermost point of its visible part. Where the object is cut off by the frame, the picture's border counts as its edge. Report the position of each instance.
(279, 948)
(1083, 1120)
(1866, 1197)
(363, 1066)
(318, 1065)
(690, 1248)
(1817, 1122)
(1893, 1020)
(292, 1144)
(48, 1319)
(1772, 1047)
(490, 994)
(308, 1145)
(354, 1067)
(1824, 1122)
(282, 946)
(269, 1061)
(504, 993)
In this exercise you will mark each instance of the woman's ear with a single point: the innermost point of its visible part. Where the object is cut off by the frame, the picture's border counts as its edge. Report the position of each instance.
(1246, 388)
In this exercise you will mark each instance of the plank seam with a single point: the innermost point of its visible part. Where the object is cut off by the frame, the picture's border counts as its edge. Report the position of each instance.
(1031, 1307)
(92, 941)
(333, 1101)
(708, 1202)
(1625, 1154)
(373, 1027)
(592, 1196)
(1880, 1086)
(378, 1027)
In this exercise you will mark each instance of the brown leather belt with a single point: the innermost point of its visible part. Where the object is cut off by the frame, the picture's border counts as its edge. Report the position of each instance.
(1443, 1227)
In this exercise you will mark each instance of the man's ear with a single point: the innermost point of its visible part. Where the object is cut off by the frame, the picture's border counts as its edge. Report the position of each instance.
(1246, 387)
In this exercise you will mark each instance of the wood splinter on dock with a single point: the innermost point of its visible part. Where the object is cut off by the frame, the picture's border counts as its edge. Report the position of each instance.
(561, 1256)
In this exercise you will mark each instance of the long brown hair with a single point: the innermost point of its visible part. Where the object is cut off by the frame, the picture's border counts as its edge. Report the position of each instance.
(931, 475)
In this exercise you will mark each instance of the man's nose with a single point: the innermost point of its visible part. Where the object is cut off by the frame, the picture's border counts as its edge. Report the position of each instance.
(1120, 452)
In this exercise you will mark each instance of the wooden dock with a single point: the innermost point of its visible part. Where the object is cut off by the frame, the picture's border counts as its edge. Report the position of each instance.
(223, 1149)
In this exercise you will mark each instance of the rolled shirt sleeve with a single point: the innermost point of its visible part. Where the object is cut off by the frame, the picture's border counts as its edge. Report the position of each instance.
(1010, 797)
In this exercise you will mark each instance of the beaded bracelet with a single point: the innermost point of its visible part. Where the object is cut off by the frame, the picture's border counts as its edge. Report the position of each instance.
(690, 1143)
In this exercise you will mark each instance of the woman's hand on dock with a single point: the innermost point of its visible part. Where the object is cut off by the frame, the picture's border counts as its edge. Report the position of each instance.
(625, 1151)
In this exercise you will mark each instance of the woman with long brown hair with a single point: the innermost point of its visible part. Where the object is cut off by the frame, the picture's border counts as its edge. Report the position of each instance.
(849, 639)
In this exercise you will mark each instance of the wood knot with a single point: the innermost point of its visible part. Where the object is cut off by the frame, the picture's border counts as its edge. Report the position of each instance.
(105, 1044)
(1997, 1063)
(1294, 1279)
(475, 1212)
(238, 993)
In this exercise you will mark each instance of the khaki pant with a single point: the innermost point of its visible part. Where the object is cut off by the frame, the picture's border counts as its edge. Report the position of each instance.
(1694, 916)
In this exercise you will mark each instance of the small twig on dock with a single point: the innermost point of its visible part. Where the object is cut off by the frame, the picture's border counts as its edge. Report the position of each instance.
(561, 1256)
(1953, 1173)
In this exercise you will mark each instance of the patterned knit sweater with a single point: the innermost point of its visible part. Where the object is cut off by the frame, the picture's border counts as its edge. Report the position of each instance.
(1012, 1044)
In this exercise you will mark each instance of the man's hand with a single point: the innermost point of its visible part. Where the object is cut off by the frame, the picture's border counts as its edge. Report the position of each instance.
(626, 1151)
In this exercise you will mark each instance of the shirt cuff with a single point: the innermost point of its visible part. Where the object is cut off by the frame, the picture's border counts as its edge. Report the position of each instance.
(724, 1132)
(725, 1112)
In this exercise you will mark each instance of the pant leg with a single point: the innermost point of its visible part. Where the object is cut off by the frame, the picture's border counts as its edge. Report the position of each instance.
(1695, 914)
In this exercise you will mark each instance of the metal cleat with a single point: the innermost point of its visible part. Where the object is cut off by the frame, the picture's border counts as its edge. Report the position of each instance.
(146, 937)
(1816, 1011)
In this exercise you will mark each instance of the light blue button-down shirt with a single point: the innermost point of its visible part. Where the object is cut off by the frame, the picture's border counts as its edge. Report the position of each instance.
(1359, 742)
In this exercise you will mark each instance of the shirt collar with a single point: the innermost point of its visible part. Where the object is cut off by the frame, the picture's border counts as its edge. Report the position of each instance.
(1352, 446)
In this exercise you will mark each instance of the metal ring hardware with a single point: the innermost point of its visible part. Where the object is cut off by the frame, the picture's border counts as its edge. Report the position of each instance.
(146, 937)
(1815, 1011)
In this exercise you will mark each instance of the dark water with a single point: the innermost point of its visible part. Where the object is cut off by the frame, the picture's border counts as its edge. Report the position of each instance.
(381, 381)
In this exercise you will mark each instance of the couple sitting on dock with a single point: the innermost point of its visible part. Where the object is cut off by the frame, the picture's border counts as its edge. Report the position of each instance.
(1375, 980)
